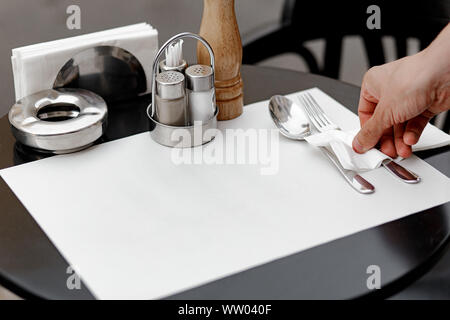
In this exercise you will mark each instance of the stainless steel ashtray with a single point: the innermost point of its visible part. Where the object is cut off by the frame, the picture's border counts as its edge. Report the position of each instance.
(59, 121)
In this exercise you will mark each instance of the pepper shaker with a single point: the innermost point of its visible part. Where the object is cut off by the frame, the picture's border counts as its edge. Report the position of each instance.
(170, 99)
(219, 27)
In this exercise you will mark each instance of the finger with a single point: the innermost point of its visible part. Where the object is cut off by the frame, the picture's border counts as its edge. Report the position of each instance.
(372, 130)
(387, 143)
(366, 106)
(414, 128)
(403, 150)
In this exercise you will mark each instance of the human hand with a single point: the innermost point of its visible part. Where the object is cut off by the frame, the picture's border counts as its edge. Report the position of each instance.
(399, 98)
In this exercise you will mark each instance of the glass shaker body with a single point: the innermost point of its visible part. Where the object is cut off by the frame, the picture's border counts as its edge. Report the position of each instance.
(171, 111)
(200, 92)
(202, 105)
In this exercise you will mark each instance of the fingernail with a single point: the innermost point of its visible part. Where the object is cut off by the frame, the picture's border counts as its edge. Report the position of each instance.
(357, 146)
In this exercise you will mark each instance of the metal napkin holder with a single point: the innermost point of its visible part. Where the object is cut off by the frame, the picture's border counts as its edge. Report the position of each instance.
(73, 114)
(180, 136)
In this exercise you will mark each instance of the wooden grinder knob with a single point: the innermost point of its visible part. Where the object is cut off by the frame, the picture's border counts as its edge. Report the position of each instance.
(219, 27)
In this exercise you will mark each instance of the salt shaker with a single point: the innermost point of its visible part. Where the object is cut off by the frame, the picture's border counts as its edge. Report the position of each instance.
(200, 92)
(170, 99)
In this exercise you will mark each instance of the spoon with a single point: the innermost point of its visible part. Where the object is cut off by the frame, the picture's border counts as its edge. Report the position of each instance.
(294, 124)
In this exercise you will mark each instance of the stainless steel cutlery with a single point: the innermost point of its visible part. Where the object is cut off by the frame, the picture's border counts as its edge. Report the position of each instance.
(294, 125)
(322, 123)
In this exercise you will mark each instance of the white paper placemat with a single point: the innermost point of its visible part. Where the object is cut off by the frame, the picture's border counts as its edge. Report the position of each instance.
(134, 224)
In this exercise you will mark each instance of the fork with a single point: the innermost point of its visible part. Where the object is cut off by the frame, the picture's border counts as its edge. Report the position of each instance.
(323, 123)
(353, 178)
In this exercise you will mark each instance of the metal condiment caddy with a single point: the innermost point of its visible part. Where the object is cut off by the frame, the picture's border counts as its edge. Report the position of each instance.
(178, 133)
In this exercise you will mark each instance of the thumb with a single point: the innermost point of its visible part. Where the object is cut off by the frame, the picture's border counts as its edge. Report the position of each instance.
(371, 131)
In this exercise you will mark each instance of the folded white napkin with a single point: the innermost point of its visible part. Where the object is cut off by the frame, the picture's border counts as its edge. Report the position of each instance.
(340, 142)
(35, 67)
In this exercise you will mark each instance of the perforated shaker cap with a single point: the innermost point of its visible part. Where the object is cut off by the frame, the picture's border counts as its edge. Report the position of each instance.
(170, 85)
(199, 77)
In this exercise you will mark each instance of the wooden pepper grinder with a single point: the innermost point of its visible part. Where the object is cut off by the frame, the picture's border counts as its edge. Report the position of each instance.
(219, 27)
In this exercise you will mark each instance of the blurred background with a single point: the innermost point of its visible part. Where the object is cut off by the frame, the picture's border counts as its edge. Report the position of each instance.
(24, 22)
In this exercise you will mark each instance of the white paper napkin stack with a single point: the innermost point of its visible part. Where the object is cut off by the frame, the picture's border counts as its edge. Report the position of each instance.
(340, 141)
(35, 67)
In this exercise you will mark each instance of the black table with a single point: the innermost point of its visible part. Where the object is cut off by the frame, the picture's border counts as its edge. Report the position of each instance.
(404, 249)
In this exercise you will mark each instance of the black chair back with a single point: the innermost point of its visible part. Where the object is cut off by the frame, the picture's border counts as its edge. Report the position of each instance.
(304, 20)
(334, 20)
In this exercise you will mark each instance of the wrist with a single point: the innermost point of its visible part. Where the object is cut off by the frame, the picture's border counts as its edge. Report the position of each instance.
(436, 61)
